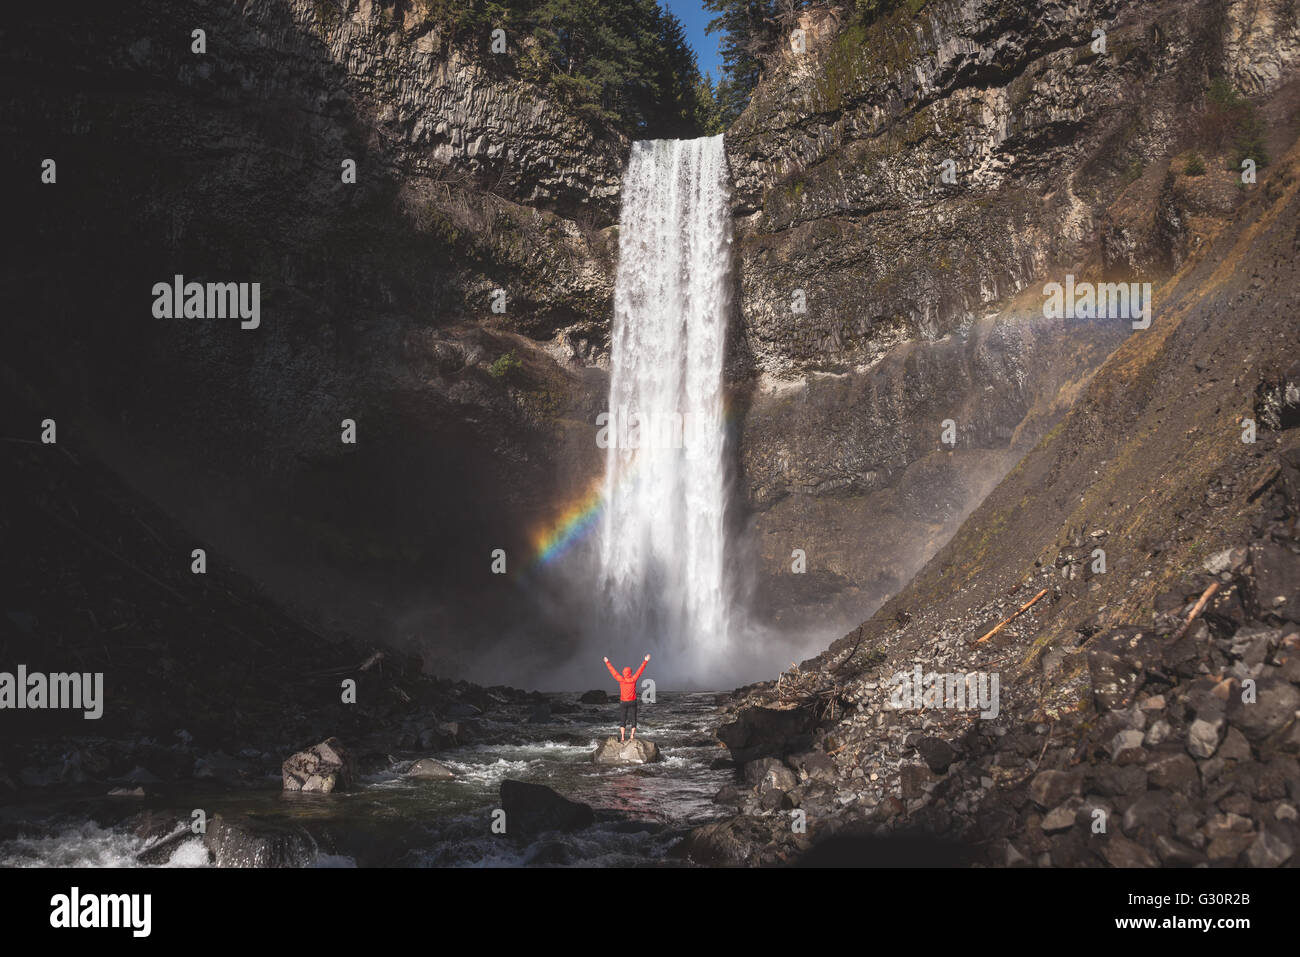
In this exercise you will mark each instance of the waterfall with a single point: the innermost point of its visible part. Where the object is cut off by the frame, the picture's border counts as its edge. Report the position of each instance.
(663, 557)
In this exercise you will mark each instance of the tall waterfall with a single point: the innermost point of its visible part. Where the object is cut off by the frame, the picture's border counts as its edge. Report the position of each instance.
(663, 553)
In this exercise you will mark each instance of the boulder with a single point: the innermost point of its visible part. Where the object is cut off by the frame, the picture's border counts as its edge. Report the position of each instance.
(1116, 663)
(631, 751)
(427, 769)
(248, 843)
(532, 809)
(322, 768)
(769, 774)
(759, 732)
(594, 697)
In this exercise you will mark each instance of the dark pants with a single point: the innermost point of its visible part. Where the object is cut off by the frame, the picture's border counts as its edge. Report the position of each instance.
(629, 714)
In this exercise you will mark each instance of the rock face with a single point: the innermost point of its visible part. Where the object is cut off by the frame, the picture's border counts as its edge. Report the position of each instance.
(532, 809)
(322, 768)
(878, 298)
(1146, 705)
(631, 751)
(376, 296)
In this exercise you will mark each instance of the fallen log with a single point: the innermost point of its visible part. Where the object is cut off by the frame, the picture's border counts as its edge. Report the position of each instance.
(1196, 611)
(1006, 621)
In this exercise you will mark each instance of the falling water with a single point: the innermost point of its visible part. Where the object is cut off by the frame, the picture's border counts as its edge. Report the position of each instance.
(663, 551)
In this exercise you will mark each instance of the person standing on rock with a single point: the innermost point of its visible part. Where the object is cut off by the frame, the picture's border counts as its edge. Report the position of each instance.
(627, 696)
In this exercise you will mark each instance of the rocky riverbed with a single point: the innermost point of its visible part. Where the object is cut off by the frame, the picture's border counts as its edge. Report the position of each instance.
(529, 755)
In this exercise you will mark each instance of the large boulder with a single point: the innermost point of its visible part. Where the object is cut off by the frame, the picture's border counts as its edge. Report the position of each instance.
(595, 697)
(427, 769)
(532, 809)
(631, 751)
(759, 732)
(249, 843)
(322, 768)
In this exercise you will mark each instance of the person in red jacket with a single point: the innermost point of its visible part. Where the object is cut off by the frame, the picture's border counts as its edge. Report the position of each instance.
(627, 696)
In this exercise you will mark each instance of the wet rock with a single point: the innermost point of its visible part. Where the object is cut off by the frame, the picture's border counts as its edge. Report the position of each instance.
(532, 809)
(733, 842)
(632, 751)
(164, 846)
(595, 697)
(427, 769)
(249, 843)
(323, 768)
(540, 714)
(463, 709)
(550, 853)
(728, 794)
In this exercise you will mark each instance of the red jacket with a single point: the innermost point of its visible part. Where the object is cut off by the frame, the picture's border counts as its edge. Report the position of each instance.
(626, 686)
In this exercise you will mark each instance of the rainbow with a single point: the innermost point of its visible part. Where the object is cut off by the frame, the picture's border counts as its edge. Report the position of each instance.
(576, 520)
(572, 524)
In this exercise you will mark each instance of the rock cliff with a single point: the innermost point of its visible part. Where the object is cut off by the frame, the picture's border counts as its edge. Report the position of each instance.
(904, 190)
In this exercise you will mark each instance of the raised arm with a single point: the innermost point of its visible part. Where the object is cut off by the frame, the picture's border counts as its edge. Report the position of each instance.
(637, 676)
(617, 676)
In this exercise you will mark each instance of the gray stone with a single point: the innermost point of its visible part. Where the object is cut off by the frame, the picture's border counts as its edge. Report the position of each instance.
(1203, 738)
(427, 769)
(632, 751)
(1050, 788)
(1126, 748)
(1269, 850)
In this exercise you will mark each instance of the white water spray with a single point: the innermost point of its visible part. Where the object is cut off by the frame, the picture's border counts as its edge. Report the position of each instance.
(663, 555)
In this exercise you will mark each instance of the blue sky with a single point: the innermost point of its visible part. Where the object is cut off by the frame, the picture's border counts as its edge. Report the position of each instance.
(695, 18)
